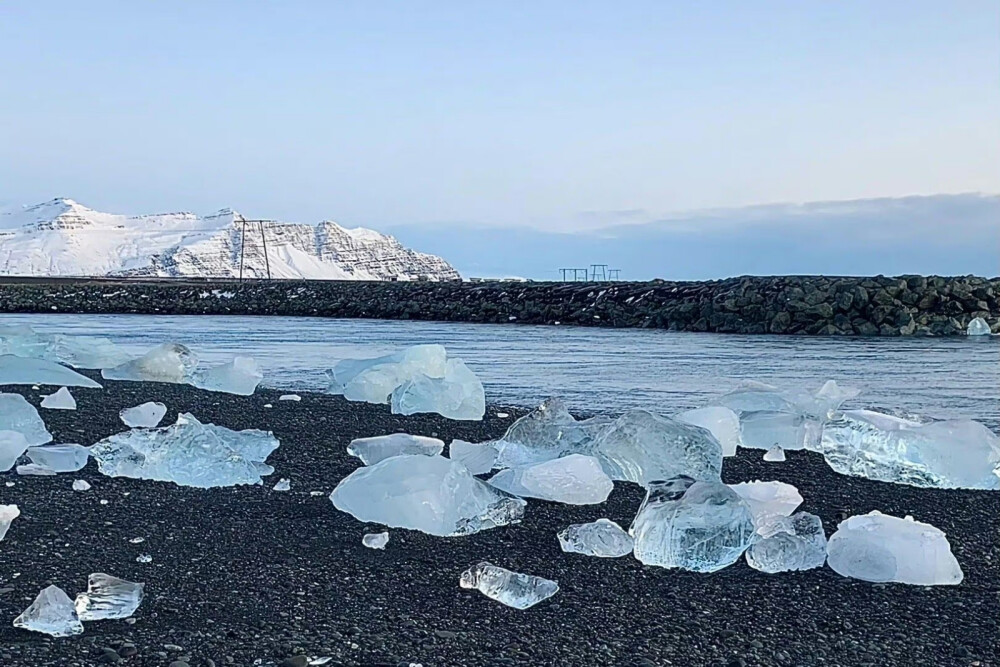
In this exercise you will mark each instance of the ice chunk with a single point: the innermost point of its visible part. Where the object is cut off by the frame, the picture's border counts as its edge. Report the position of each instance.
(457, 395)
(81, 485)
(380, 447)
(695, 525)
(946, 454)
(478, 458)
(795, 542)
(602, 538)
(767, 500)
(290, 397)
(60, 458)
(546, 433)
(23, 370)
(75, 351)
(12, 446)
(775, 454)
(240, 376)
(881, 548)
(978, 327)
(510, 588)
(35, 469)
(169, 362)
(427, 493)
(373, 380)
(575, 480)
(188, 453)
(61, 400)
(283, 485)
(108, 597)
(376, 540)
(146, 415)
(7, 515)
(143, 558)
(721, 422)
(52, 613)
(764, 430)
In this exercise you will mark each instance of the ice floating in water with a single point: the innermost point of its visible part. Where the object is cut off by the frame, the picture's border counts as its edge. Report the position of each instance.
(7, 515)
(457, 395)
(380, 447)
(240, 376)
(978, 327)
(35, 469)
(81, 485)
(108, 597)
(478, 458)
(61, 400)
(188, 453)
(694, 525)
(282, 485)
(146, 415)
(768, 500)
(510, 588)
(290, 397)
(169, 362)
(602, 538)
(12, 446)
(775, 454)
(75, 351)
(881, 548)
(60, 458)
(721, 422)
(427, 493)
(52, 613)
(575, 479)
(376, 540)
(374, 380)
(795, 542)
(24, 370)
(947, 454)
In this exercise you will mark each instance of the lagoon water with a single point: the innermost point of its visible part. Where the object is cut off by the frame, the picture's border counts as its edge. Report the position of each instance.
(593, 369)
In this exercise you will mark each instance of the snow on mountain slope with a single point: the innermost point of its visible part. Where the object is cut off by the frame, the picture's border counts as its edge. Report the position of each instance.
(64, 238)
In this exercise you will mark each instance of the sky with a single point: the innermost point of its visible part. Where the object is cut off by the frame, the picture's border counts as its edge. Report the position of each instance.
(547, 116)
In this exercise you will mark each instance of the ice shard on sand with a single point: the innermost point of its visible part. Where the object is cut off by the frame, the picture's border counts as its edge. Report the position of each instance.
(60, 400)
(52, 613)
(16, 414)
(239, 376)
(60, 458)
(575, 480)
(513, 589)
(169, 362)
(602, 538)
(784, 543)
(25, 370)
(146, 415)
(380, 447)
(108, 597)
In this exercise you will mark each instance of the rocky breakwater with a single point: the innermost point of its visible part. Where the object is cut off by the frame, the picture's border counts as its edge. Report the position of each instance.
(818, 305)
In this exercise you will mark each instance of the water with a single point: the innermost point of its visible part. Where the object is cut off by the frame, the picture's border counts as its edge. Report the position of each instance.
(593, 369)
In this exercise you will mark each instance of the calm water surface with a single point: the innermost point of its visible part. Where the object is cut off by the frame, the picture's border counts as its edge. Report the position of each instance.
(594, 369)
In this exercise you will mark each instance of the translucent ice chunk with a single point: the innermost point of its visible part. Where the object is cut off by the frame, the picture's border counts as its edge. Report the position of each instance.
(575, 480)
(146, 415)
(978, 327)
(695, 525)
(240, 376)
(946, 454)
(23, 370)
(35, 469)
(373, 380)
(546, 433)
(720, 421)
(431, 494)
(61, 400)
(376, 540)
(7, 515)
(81, 485)
(52, 613)
(143, 558)
(513, 589)
(795, 542)
(881, 548)
(75, 351)
(767, 500)
(457, 395)
(108, 597)
(764, 430)
(380, 447)
(775, 454)
(602, 538)
(169, 362)
(283, 485)
(188, 453)
(290, 397)
(12, 446)
(60, 458)
(477, 457)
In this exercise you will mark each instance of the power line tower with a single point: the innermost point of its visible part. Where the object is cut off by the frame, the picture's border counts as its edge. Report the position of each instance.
(263, 240)
(598, 272)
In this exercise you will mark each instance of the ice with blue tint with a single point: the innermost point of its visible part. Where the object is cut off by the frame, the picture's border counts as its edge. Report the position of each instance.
(380, 447)
(76, 351)
(7, 515)
(775, 455)
(459, 394)
(768, 500)
(978, 327)
(602, 538)
(169, 362)
(240, 376)
(784, 543)
(479, 458)
(60, 458)
(27, 370)
(52, 613)
(575, 480)
(108, 597)
(60, 400)
(721, 422)
(374, 380)
(146, 415)
(546, 433)
(16, 414)
(513, 589)
(376, 540)
(12, 445)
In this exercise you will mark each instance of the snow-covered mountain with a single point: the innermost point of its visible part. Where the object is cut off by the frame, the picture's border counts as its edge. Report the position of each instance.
(64, 238)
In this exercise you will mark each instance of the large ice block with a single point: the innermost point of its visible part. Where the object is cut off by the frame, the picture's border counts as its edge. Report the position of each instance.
(431, 494)
(108, 597)
(768, 500)
(720, 421)
(373, 380)
(881, 548)
(75, 351)
(479, 458)
(513, 589)
(52, 613)
(602, 538)
(169, 362)
(458, 395)
(695, 525)
(25, 370)
(784, 543)
(978, 327)
(146, 415)
(575, 480)
(60, 458)
(16, 414)
(7, 515)
(548, 432)
(381, 447)
(239, 376)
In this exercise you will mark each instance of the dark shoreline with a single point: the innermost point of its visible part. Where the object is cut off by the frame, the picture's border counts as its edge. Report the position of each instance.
(801, 305)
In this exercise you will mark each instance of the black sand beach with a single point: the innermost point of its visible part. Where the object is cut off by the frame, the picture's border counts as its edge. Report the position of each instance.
(250, 576)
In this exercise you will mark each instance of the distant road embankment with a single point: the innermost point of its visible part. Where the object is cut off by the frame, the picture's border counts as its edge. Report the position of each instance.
(820, 305)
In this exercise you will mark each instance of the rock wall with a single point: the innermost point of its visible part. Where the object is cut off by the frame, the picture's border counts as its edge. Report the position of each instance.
(879, 306)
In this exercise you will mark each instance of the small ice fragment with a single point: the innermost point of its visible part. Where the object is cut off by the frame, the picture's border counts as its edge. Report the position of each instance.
(978, 327)
(720, 422)
(137, 540)
(768, 499)
(776, 454)
(240, 376)
(7, 515)
(81, 485)
(513, 589)
(478, 458)
(268, 405)
(104, 501)
(503, 415)
(169, 362)
(575, 480)
(52, 613)
(380, 447)
(319, 660)
(12, 446)
(60, 458)
(61, 400)
(376, 540)
(795, 542)
(24, 370)
(602, 538)
(316, 493)
(144, 558)
(147, 415)
(35, 469)
(108, 597)
(8, 484)
(289, 397)
(16, 414)
(282, 485)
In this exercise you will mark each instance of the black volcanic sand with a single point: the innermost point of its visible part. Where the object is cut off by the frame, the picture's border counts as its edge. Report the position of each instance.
(251, 576)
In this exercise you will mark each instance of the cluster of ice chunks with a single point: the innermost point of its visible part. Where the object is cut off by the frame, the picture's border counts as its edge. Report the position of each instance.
(188, 453)
(880, 548)
(574, 479)
(602, 538)
(108, 597)
(785, 543)
(418, 379)
(381, 447)
(60, 458)
(701, 526)
(431, 494)
(7, 515)
(27, 370)
(76, 351)
(978, 327)
(942, 454)
(60, 400)
(170, 362)
(479, 458)
(240, 376)
(513, 589)
(146, 415)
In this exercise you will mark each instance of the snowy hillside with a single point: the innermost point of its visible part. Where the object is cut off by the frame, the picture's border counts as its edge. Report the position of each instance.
(64, 238)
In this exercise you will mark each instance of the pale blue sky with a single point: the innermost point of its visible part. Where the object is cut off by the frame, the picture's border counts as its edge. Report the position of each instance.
(557, 115)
